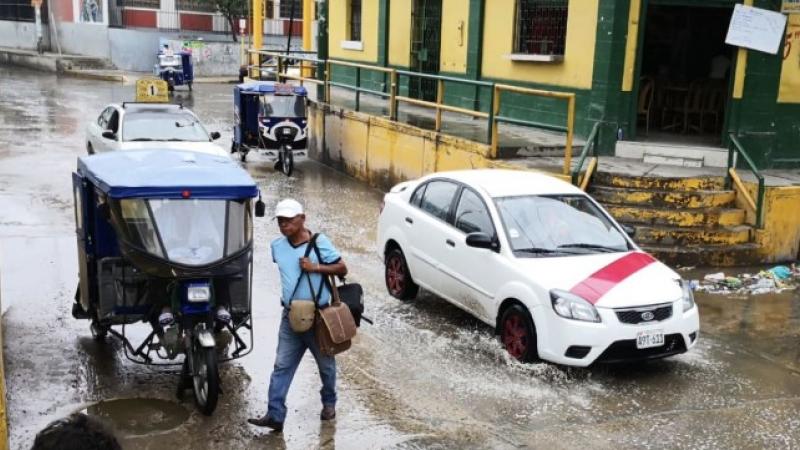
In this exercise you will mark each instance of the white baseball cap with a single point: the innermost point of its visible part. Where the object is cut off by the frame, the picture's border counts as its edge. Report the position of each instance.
(288, 208)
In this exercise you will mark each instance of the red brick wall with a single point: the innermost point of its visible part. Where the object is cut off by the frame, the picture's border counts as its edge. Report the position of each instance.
(197, 22)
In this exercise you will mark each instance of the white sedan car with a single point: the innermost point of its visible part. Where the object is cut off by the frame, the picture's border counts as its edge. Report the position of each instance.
(143, 126)
(540, 261)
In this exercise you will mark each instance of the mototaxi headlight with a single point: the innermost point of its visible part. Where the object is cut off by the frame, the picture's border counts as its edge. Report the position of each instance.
(198, 294)
(571, 306)
(687, 296)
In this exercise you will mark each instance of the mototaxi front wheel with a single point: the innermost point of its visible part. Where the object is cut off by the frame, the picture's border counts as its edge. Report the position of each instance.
(287, 161)
(205, 377)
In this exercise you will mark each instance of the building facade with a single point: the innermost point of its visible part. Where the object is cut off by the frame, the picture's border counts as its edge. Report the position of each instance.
(651, 70)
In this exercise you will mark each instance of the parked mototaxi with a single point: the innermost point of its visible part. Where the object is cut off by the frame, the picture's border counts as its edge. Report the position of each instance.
(168, 228)
(270, 118)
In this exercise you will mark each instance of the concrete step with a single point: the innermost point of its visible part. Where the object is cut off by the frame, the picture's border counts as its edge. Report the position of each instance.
(689, 236)
(675, 199)
(684, 184)
(673, 154)
(706, 255)
(706, 218)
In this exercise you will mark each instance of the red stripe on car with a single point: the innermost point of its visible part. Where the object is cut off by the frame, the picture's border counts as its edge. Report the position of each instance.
(599, 283)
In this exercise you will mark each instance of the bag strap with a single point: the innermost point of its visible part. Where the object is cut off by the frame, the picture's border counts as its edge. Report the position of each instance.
(312, 244)
(331, 281)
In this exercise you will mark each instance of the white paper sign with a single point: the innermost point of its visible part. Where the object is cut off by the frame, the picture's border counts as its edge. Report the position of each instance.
(756, 28)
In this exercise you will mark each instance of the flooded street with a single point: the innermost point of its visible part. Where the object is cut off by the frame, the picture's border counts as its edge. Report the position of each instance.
(426, 375)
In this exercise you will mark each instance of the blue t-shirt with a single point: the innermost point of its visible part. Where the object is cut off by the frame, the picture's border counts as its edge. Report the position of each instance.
(287, 257)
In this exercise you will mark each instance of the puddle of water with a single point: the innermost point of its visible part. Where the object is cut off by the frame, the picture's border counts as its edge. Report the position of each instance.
(139, 416)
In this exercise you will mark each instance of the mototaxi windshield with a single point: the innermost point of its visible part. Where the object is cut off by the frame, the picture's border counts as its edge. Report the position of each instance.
(192, 232)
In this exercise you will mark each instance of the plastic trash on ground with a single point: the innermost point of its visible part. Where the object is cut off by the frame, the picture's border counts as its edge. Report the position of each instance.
(774, 280)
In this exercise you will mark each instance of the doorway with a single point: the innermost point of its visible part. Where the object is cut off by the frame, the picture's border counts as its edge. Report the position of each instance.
(426, 40)
(685, 75)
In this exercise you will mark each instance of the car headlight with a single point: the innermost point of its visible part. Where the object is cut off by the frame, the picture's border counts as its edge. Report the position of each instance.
(688, 295)
(198, 294)
(571, 306)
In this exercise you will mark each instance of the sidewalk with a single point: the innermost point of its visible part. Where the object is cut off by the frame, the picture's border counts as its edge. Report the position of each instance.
(99, 69)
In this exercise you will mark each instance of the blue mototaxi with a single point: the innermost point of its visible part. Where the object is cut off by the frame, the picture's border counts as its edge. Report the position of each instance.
(168, 228)
(267, 116)
(175, 69)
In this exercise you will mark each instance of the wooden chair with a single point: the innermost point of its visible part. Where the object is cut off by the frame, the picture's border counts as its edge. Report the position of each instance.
(693, 106)
(714, 104)
(645, 103)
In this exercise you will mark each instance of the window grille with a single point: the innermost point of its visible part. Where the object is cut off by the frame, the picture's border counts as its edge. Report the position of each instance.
(541, 27)
(196, 5)
(21, 11)
(286, 9)
(355, 20)
(155, 4)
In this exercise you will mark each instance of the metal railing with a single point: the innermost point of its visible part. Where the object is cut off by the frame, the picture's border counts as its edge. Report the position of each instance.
(589, 148)
(308, 66)
(493, 117)
(735, 148)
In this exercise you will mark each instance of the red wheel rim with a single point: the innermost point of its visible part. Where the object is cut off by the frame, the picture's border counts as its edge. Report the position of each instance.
(395, 275)
(515, 336)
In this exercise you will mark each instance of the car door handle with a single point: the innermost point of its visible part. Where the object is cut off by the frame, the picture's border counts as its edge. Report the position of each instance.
(450, 243)
(409, 220)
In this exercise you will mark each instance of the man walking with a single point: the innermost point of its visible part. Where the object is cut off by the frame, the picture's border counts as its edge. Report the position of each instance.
(288, 252)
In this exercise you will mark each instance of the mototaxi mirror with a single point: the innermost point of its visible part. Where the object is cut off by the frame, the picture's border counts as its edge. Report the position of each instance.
(108, 134)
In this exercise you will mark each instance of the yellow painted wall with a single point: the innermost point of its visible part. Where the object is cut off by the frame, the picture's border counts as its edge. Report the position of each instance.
(337, 29)
(630, 45)
(789, 90)
(383, 153)
(400, 33)
(455, 19)
(574, 71)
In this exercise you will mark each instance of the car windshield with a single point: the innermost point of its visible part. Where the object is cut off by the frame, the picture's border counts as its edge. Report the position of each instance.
(282, 106)
(162, 126)
(559, 224)
(191, 231)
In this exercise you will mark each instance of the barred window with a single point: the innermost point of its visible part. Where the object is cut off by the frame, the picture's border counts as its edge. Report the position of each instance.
(541, 27)
(354, 19)
(270, 4)
(286, 9)
(21, 10)
(155, 4)
(196, 5)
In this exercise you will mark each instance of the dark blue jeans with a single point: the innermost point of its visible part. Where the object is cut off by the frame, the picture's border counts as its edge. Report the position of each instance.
(291, 348)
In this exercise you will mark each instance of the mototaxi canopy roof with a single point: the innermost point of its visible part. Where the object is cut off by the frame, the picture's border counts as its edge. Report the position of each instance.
(267, 87)
(167, 173)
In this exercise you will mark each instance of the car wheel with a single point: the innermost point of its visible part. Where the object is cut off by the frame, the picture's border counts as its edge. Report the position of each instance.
(398, 278)
(518, 334)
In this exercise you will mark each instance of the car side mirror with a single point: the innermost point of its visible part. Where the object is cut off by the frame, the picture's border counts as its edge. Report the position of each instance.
(482, 240)
(629, 230)
(260, 208)
(108, 134)
(215, 135)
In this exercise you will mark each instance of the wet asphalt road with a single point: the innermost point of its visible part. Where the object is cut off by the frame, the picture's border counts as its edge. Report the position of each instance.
(425, 376)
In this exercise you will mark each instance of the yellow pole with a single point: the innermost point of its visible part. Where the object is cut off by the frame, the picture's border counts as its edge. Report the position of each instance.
(258, 32)
(308, 22)
(393, 96)
(570, 131)
(439, 100)
(496, 110)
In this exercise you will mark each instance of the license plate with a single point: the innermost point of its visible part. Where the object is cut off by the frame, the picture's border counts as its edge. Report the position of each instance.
(287, 131)
(649, 339)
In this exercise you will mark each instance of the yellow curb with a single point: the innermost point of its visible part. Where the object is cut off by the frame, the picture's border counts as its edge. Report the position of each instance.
(96, 76)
